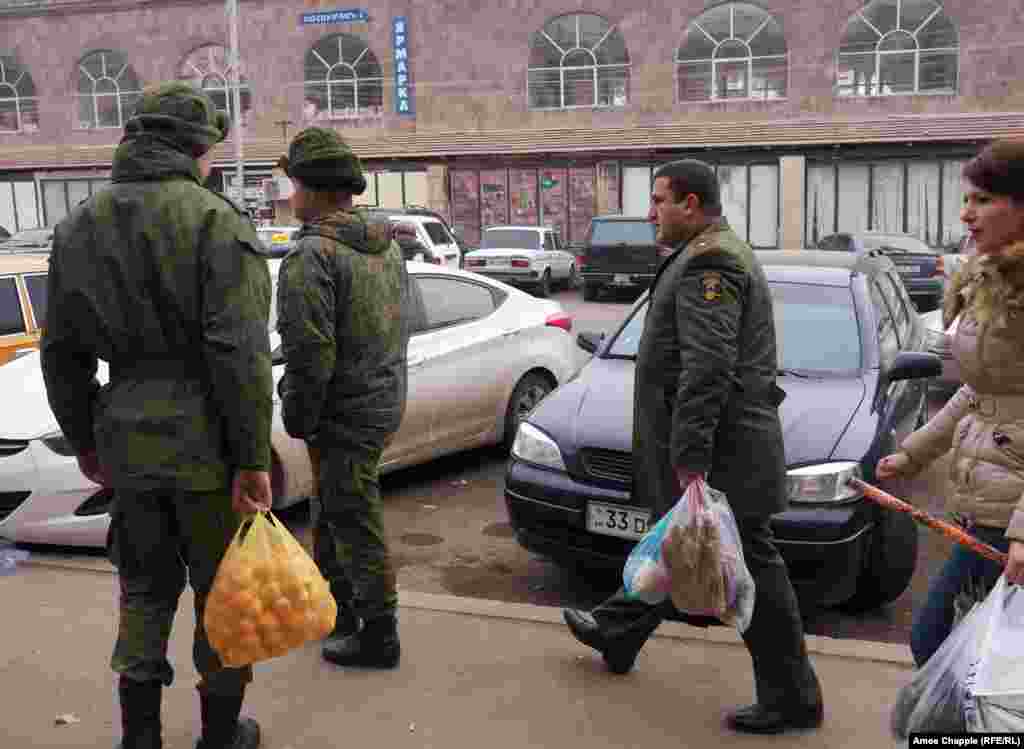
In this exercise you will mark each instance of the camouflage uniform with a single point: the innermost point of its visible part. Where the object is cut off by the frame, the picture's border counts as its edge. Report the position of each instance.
(342, 296)
(166, 281)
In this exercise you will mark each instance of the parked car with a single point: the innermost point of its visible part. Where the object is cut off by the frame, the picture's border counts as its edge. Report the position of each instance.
(922, 268)
(432, 230)
(482, 355)
(618, 252)
(279, 240)
(852, 364)
(28, 240)
(22, 302)
(940, 344)
(524, 256)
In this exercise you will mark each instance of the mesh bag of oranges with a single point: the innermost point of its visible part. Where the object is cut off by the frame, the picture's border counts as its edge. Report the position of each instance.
(268, 596)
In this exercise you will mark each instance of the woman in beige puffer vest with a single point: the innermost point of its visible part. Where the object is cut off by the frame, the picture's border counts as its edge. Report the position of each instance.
(984, 421)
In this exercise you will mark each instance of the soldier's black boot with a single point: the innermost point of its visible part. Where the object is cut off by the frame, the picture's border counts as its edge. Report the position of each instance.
(140, 713)
(222, 728)
(346, 625)
(376, 645)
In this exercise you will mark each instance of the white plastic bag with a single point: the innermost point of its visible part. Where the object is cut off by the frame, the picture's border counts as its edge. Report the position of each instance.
(674, 558)
(974, 682)
(997, 692)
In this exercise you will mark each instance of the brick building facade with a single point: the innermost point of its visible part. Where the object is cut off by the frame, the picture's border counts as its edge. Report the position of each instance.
(821, 115)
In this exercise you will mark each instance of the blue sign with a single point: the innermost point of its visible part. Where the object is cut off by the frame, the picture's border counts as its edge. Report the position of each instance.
(404, 103)
(353, 15)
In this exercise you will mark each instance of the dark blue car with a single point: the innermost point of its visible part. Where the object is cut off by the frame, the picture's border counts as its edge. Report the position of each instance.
(852, 363)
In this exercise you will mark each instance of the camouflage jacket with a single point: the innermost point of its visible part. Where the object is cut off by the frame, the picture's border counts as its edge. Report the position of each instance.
(343, 301)
(705, 393)
(166, 281)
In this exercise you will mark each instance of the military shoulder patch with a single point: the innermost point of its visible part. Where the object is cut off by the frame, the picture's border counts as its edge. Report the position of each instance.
(711, 284)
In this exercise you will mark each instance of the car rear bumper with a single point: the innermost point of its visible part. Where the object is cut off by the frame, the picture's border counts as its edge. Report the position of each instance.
(617, 279)
(525, 276)
(825, 548)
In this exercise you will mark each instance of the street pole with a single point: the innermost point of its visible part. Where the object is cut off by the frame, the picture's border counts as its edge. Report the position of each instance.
(234, 75)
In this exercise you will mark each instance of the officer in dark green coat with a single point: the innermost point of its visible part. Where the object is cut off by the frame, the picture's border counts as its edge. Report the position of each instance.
(165, 280)
(342, 315)
(706, 405)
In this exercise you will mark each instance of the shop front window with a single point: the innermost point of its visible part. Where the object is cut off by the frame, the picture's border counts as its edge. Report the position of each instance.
(465, 203)
(522, 187)
(493, 197)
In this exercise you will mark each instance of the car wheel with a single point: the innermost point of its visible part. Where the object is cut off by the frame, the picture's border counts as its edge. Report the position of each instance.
(570, 281)
(890, 565)
(544, 287)
(528, 392)
(590, 291)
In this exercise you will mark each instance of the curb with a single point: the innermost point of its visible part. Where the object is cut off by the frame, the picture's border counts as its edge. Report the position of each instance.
(864, 650)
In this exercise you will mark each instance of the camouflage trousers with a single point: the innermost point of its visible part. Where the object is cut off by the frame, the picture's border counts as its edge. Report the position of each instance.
(158, 540)
(349, 543)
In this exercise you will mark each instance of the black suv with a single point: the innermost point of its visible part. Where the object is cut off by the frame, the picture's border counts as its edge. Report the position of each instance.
(619, 252)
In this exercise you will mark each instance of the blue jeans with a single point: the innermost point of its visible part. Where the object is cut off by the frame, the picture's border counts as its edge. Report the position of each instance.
(934, 621)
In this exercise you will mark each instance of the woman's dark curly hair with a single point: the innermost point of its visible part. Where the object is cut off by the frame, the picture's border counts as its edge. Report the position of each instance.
(999, 168)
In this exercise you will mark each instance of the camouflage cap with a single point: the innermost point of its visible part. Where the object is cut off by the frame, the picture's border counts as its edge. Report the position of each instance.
(180, 114)
(320, 159)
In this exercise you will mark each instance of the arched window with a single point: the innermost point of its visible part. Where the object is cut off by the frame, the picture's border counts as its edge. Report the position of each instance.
(896, 47)
(209, 68)
(19, 106)
(733, 51)
(108, 90)
(578, 60)
(343, 80)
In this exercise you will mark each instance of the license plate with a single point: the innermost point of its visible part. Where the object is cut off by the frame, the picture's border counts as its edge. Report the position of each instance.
(909, 268)
(616, 520)
(621, 279)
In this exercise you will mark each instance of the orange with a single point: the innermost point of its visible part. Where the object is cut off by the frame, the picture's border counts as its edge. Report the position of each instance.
(245, 627)
(270, 591)
(246, 603)
(281, 607)
(267, 622)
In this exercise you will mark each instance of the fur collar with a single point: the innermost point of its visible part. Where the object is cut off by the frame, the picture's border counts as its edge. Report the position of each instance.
(990, 285)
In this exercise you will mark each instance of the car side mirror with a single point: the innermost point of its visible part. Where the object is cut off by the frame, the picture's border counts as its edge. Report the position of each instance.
(277, 356)
(590, 342)
(914, 365)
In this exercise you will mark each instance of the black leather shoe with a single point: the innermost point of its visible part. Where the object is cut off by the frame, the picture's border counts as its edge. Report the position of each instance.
(762, 719)
(619, 655)
(376, 645)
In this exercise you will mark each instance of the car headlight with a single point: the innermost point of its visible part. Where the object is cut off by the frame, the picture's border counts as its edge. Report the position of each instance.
(533, 446)
(57, 442)
(824, 482)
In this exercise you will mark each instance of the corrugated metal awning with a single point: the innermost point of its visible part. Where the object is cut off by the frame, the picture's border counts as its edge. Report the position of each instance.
(442, 144)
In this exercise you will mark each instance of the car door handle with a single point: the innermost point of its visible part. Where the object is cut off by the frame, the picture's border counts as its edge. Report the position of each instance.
(510, 333)
(414, 362)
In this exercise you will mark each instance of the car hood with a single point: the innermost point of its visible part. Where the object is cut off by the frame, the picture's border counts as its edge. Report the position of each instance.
(27, 414)
(596, 410)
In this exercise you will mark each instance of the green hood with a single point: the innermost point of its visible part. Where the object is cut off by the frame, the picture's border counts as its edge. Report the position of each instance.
(149, 157)
(352, 229)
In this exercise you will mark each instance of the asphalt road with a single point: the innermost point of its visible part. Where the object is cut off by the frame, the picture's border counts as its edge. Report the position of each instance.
(450, 531)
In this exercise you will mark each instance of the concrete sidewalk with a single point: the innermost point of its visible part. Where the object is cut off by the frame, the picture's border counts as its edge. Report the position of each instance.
(474, 673)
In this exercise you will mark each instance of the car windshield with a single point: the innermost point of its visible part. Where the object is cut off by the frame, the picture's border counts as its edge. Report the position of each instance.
(510, 239)
(895, 242)
(815, 326)
(623, 232)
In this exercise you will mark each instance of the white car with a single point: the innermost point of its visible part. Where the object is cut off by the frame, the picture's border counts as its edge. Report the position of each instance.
(431, 230)
(482, 355)
(529, 256)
